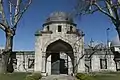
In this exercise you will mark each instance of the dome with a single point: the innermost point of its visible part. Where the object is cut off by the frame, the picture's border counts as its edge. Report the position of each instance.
(59, 16)
(115, 42)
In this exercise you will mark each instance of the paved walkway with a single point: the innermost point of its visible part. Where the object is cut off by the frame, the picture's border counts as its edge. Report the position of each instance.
(59, 77)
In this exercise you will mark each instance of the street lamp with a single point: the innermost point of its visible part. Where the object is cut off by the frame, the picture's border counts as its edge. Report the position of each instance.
(107, 33)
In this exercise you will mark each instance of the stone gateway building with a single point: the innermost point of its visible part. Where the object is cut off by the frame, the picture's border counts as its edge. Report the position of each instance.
(59, 46)
(59, 49)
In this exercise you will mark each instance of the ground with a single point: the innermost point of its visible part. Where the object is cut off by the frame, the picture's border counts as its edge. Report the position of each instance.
(13, 76)
(108, 76)
(21, 76)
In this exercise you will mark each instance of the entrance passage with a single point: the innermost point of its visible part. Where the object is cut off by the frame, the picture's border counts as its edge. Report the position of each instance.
(59, 51)
(55, 63)
(58, 65)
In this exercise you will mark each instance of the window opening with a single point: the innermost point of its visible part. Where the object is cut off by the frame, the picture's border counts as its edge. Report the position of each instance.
(47, 28)
(103, 63)
(59, 28)
(71, 28)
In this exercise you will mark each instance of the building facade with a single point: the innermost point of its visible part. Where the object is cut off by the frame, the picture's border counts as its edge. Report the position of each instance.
(99, 60)
(59, 49)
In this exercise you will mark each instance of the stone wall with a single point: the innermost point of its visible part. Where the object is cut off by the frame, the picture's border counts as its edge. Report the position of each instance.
(100, 61)
(24, 61)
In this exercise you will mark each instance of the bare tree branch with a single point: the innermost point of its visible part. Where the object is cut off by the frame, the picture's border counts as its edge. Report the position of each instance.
(92, 11)
(17, 10)
(10, 10)
(3, 26)
(119, 2)
(2, 13)
(103, 11)
(116, 13)
(21, 14)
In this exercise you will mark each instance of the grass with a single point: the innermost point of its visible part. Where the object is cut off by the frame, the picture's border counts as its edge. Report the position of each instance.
(13, 76)
(107, 76)
(103, 77)
(100, 76)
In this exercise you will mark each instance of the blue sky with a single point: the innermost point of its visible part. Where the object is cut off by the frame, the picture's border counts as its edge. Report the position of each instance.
(94, 26)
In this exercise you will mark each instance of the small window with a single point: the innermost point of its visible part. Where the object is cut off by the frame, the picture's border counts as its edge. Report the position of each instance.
(59, 28)
(118, 65)
(47, 28)
(71, 28)
(103, 63)
(30, 63)
(0, 56)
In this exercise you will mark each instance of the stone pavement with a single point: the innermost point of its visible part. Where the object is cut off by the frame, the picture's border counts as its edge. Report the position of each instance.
(59, 77)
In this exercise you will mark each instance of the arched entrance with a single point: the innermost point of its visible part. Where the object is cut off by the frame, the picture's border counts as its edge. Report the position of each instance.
(62, 57)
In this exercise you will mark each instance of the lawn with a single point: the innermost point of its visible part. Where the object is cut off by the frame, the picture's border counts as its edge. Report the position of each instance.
(13, 76)
(108, 76)
(100, 76)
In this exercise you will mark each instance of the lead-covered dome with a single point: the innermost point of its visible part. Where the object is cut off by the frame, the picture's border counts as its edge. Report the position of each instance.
(59, 16)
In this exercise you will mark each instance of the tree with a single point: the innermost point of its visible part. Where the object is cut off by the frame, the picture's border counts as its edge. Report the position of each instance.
(92, 49)
(8, 24)
(111, 8)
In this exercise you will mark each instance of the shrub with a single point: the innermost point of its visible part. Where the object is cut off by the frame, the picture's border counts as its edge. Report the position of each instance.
(29, 77)
(82, 76)
(34, 76)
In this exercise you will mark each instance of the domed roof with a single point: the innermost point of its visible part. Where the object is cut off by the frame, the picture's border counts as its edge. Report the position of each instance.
(115, 42)
(59, 16)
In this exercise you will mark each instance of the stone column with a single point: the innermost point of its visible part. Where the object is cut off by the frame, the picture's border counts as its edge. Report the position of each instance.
(44, 63)
(75, 64)
(48, 65)
(38, 55)
(111, 63)
(95, 63)
(80, 63)
(70, 66)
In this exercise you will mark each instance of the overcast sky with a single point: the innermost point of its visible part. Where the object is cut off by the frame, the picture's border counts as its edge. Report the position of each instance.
(94, 26)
